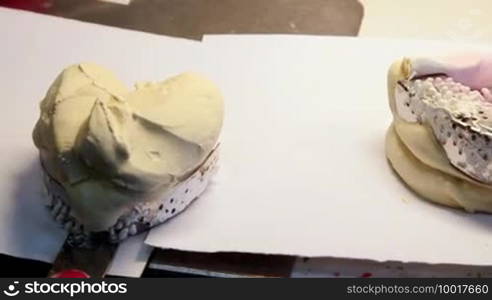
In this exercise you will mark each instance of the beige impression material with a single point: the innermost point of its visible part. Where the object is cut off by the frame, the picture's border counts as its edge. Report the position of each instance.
(111, 148)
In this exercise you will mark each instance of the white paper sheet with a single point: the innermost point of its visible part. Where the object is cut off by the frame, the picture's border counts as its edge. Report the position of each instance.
(131, 258)
(303, 169)
(34, 50)
(451, 20)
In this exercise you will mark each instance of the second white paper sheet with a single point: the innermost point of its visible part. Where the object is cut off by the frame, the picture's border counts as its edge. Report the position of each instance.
(303, 169)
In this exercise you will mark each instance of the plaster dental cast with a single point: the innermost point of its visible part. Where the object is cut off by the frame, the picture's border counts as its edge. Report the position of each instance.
(116, 161)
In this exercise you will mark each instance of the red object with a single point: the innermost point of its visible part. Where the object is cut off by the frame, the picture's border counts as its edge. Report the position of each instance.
(32, 5)
(73, 273)
(366, 275)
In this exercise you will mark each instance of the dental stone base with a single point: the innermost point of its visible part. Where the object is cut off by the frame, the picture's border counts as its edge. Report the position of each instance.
(141, 217)
(433, 184)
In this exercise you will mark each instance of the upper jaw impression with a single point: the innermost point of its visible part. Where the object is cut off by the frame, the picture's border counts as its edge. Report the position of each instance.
(453, 97)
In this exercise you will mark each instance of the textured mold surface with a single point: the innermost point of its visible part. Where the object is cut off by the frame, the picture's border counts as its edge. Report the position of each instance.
(458, 115)
(140, 218)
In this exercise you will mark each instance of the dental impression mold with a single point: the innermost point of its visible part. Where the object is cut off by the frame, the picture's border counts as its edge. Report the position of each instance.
(116, 161)
(440, 141)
